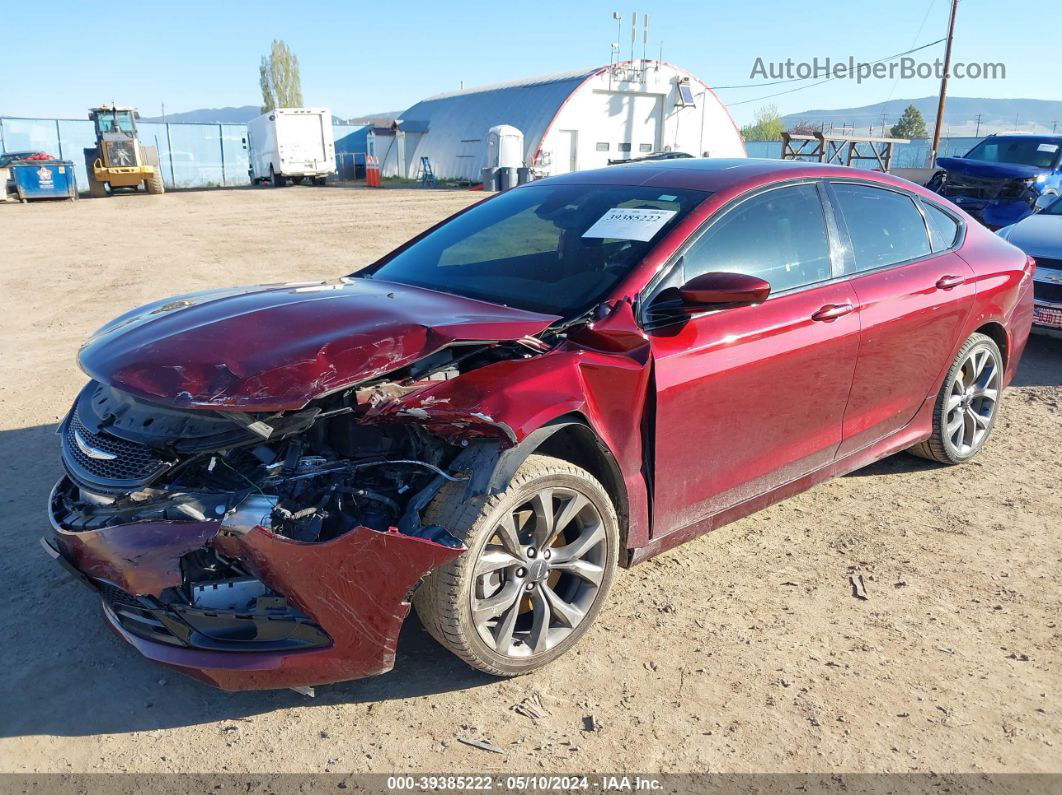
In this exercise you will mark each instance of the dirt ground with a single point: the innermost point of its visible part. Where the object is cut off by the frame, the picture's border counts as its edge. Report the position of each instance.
(742, 651)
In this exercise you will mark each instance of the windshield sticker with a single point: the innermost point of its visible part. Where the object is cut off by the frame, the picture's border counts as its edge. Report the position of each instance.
(630, 224)
(666, 197)
(1047, 148)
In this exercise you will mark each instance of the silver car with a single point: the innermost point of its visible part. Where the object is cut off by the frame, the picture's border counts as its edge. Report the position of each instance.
(1040, 236)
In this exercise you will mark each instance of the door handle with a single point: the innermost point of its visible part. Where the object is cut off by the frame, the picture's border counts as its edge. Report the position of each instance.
(832, 312)
(950, 282)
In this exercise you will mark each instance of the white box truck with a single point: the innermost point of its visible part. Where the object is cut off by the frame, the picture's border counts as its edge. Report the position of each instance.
(291, 144)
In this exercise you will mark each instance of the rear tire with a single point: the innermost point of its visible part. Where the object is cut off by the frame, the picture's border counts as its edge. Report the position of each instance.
(967, 404)
(532, 581)
(275, 179)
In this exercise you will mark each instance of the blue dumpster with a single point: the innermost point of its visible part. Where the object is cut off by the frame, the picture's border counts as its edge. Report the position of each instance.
(44, 179)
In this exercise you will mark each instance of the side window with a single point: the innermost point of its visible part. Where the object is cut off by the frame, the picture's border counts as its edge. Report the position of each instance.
(779, 236)
(943, 229)
(885, 226)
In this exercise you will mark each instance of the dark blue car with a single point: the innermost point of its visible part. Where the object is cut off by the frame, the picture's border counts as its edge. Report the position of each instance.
(1004, 178)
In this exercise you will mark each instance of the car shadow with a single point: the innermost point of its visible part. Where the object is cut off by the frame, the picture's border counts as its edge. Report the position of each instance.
(66, 675)
(1041, 364)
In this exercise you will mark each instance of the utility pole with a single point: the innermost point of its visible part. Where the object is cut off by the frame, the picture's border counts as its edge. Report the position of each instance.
(944, 83)
(977, 134)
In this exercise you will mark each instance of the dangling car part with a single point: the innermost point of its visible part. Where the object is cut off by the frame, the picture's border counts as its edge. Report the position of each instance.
(572, 376)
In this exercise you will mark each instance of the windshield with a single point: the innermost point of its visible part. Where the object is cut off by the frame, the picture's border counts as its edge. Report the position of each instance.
(1036, 152)
(106, 121)
(1055, 208)
(556, 249)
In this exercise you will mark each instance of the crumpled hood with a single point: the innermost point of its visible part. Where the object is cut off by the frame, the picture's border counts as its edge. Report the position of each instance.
(980, 168)
(276, 347)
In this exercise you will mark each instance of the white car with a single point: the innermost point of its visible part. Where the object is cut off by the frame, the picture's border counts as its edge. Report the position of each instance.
(1040, 236)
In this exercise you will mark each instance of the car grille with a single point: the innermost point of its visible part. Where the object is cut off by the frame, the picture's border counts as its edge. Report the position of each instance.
(983, 187)
(1048, 291)
(132, 464)
(135, 617)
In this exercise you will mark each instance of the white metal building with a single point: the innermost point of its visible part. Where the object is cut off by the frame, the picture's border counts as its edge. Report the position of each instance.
(571, 121)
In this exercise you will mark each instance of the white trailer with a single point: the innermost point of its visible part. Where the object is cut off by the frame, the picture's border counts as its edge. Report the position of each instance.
(291, 144)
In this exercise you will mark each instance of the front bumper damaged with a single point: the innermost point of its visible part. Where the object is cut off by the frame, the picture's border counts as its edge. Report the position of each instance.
(319, 612)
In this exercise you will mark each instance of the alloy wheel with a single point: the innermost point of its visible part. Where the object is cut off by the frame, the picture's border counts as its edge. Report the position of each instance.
(972, 401)
(539, 573)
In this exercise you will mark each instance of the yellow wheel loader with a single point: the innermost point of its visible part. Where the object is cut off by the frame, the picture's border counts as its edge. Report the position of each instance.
(119, 161)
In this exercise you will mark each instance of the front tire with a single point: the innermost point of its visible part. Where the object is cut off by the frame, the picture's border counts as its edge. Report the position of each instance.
(154, 183)
(966, 407)
(541, 558)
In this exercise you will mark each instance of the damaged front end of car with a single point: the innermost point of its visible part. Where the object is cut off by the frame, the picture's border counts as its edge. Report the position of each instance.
(996, 194)
(257, 550)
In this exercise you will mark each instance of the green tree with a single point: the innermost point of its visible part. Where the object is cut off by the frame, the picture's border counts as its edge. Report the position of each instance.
(910, 125)
(279, 77)
(768, 126)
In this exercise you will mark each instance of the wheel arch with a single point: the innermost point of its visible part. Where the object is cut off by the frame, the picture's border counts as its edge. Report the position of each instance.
(575, 441)
(997, 332)
(569, 437)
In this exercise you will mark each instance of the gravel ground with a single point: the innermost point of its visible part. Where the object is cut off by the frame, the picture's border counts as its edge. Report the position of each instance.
(741, 651)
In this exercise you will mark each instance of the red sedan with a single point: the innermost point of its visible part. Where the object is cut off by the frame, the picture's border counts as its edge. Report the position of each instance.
(567, 378)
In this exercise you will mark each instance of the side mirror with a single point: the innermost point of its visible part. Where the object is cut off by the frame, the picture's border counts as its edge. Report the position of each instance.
(721, 291)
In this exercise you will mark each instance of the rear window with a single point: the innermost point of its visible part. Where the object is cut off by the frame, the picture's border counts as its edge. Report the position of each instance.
(943, 229)
(885, 226)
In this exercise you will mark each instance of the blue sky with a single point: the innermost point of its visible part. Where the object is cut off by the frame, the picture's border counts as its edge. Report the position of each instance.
(360, 58)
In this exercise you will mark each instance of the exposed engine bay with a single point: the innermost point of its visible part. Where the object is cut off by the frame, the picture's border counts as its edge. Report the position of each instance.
(322, 470)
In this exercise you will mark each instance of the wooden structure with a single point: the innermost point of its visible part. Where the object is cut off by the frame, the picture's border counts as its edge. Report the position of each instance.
(841, 150)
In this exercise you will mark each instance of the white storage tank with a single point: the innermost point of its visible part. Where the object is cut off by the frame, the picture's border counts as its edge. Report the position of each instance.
(505, 147)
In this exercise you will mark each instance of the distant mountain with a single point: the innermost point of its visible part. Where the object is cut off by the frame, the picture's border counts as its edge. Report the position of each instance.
(239, 115)
(960, 115)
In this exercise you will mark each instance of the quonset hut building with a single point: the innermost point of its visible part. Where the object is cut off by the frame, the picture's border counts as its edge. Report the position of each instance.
(571, 121)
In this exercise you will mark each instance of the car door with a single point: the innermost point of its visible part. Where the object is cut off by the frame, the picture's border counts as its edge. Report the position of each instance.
(749, 398)
(914, 295)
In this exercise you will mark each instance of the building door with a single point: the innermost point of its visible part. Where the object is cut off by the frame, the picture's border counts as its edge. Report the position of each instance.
(626, 125)
(567, 152)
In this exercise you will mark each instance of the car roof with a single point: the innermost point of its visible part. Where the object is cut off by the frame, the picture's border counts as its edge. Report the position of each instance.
(719, 174)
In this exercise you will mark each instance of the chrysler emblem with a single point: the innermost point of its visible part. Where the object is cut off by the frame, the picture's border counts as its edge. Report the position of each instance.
(90, 451)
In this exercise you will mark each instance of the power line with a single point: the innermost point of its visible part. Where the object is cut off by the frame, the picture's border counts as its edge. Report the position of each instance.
(914, 39)
(819, 83)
